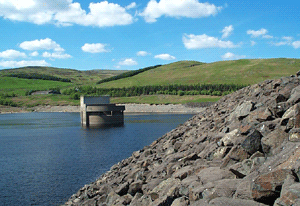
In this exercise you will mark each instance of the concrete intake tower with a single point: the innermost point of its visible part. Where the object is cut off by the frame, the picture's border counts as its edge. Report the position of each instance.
(97, 112)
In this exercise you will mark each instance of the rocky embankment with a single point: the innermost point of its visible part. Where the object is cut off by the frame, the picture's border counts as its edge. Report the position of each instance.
(243, 150)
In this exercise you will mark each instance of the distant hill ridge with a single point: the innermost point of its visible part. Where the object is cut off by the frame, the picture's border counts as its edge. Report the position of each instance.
(244, 71)
(76, 76)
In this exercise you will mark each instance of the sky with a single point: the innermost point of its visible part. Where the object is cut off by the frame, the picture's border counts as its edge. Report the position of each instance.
(129, 35)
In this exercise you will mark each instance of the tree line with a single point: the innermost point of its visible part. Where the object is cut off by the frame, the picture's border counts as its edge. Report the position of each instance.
(4, 99)
(127, 74)
(175, 89)
(39, 76)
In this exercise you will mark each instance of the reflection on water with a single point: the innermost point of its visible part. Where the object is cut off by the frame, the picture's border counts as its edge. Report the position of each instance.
(47, 157)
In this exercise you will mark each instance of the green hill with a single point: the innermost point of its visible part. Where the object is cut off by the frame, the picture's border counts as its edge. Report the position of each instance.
(13, 89)
(245, 71)
(77, 77)
(178, 82)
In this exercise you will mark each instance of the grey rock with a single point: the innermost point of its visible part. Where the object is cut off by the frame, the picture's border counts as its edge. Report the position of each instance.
(294, 135)
(242, 110)
(135, 187)
(213, 174)
(273, 140)
(181, 201)
(221, 201)
(252, 143)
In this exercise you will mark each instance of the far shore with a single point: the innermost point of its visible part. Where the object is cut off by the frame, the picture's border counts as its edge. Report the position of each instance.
(129, 108)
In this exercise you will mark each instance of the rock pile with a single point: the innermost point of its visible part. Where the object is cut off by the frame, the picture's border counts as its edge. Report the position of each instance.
(243, 150)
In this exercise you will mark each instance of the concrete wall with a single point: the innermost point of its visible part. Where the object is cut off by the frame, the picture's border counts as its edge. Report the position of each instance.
(94, 100)
(96, 111)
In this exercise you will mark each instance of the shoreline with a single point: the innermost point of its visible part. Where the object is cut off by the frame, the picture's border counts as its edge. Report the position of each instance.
(129, 108)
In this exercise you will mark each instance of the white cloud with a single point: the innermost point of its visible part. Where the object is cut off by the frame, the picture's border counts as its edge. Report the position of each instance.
(142, 53)
(131, 6)
(259, 33)
(42, 44)
(192, 41)
(12, 64)
(65, 12)
(178, 8)
(286, 41)
(94, 48)
(164, 57)
(128, 62)
(38, 12)
(281, 43)
(34, 54)
(288, 38)
(267, 36)
(12, 54)
(231, 56)
(56, 55)
(227, 31)
(253, 43)
(296, 44)
(101, 15)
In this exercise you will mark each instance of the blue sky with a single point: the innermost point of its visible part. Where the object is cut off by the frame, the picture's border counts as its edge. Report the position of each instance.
(85, 35)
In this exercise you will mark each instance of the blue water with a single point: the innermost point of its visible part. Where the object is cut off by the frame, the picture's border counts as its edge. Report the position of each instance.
(47, 157)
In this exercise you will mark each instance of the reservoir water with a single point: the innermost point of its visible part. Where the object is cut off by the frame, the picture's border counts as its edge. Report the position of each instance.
(47, 157)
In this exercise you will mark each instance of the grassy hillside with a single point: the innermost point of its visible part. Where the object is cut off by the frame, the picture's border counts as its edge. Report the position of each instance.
(241, 72)
(13, 89)
(77, 77)
(20, 86)
(245, 71)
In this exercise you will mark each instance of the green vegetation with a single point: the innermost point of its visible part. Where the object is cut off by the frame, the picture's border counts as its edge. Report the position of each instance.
(179, 82)
(164, 99)
(39, 76)
(77, 77)
(127, 74)
(20, 86)
(240, 72)
(198, 89)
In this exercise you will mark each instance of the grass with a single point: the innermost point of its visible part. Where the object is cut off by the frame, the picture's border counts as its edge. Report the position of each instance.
(164, 99)
(89, 77)
(245, 71)
(19, 86)
(35, 100)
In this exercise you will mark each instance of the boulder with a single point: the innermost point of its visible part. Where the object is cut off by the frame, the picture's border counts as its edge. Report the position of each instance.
(230, 138)
(213, 174)
(181, 201)
(135, 187)
(266, 188)
(252, 143)
(295, 95)
(221, 201)
(166, 191)
(291, 196)
(242, 110)
(294, 135)
(273, 140)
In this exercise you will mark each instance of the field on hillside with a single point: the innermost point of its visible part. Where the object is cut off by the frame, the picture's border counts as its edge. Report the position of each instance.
(245, 71)
(89, 77)
(165, 99)
(20, 86)
(13, 90)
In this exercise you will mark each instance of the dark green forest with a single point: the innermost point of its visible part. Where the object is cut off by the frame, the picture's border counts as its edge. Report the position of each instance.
(197, 89)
